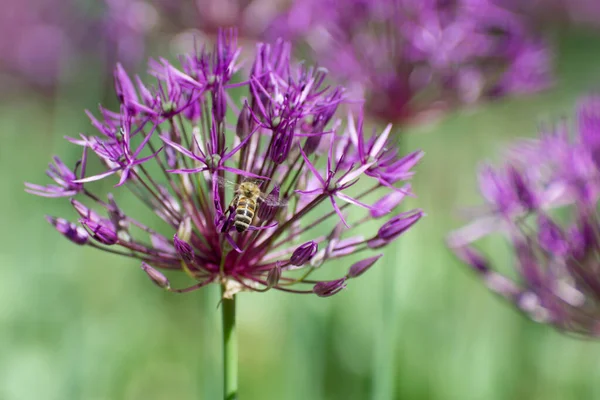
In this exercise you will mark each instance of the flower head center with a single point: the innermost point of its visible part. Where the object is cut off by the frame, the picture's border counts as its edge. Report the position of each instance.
(213, 161)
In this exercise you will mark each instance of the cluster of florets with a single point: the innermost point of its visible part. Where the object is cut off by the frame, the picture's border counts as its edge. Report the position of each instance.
(184, 146)
(544, 200)
(411, 56)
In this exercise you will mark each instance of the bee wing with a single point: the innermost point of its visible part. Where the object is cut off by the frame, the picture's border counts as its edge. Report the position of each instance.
(273, 201)
(225, 182)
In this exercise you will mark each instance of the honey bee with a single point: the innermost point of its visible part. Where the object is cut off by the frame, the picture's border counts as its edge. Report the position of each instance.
(248, 197)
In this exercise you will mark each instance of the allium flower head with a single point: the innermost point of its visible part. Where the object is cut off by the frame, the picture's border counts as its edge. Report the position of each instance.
(410, 56)
(248, 191)
(545, 202)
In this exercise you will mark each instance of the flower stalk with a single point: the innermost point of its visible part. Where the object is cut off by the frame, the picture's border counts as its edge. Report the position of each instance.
(230, 347)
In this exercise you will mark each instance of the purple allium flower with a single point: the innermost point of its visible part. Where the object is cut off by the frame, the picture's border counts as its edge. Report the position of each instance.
(544, 200)
(41, 41)
(585, 12)
(241, 185)
(413, 56)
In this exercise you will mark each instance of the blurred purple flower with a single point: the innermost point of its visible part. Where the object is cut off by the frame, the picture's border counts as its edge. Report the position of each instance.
(586, 12)
(250, 17)
(42, 42)
(408, 56)
(545, 200)
(184, 146)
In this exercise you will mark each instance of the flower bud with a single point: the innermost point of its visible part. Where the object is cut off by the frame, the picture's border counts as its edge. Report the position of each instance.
(84, 211)
(193, 112)
(74, 233)
(157, 277)
(267, 210)
(184, 250)
(219, 102)
(123, 86)
(399, 224)
(521, 189)
(101, 231)
(473, 259)
(388, 202)
(360, 267)
(273, 277)
(312, 144)
(551, 237)
(281, 143)
(244, 126)
(303, 253)
(329, 288)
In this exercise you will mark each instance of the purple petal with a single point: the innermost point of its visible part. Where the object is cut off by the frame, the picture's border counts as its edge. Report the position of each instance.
(181, 149)
(338, 211)
(312, 168)
(99, 176)
(350, 200)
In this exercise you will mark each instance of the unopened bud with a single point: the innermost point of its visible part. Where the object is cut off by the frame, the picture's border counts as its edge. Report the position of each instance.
(157, 277)
(281, 143)
(123, 86)
(84, 211)
(522, 190)
(219, 102)
(472, 258)
(399, 224)
(185, 251)
(360, 267)
(244, 126)
(329, 288)
(101, 231)
(312, 144)
(304, 253)
(551, 237)
(273, 277)
(74, 233)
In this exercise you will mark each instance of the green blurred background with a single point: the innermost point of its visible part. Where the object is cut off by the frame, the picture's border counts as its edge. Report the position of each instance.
(79, 324)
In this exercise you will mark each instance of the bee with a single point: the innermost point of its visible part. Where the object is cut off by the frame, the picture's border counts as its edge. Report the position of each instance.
(248, 197)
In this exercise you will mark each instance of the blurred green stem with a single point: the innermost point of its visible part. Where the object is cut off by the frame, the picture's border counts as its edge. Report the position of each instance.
(230, 348)
(384, 369)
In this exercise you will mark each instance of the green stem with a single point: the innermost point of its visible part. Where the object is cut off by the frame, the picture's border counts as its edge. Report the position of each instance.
(230, 349)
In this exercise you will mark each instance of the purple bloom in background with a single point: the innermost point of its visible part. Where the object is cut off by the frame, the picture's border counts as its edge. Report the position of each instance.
(250, 17)
(408, 57)
(248, 190)
(544, 200)
(586, 12)
(42, 42)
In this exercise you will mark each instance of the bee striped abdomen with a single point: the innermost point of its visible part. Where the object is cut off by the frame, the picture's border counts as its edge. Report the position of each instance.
(244, 214)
